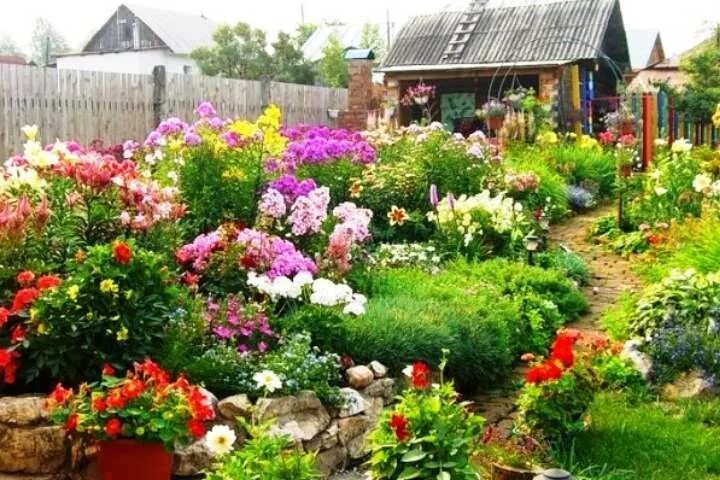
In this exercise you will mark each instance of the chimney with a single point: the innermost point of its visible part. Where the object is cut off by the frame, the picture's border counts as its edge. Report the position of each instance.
(360, 67)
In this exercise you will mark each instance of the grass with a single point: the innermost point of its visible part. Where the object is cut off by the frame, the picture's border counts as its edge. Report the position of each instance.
(647, 441)
(616, 321)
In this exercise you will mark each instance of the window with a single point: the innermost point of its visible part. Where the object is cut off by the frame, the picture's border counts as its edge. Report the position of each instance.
(187, 69)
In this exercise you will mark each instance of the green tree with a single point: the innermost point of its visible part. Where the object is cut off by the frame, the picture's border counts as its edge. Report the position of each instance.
(333, 68)
(8, 46)
(304, 32)
(371, 38)
(702, 94)
(47, 42)
(288, 60)
(239, 51)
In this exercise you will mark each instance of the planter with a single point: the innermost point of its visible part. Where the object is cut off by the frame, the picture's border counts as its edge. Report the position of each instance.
(502, 472)
(495, 123)
(422, 100)
(130, 459)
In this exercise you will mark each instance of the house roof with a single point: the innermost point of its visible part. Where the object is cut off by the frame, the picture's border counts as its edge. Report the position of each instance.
(641, 44)
(181, 32)
(349, 36)
(542, 33)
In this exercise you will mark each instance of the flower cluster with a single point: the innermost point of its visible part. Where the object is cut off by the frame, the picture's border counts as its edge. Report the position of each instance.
(406, 255)
(309, 212)
(418, 94)
(145, 404)
(562, 356)
(323, 145)
(522, 182)
(244, 326)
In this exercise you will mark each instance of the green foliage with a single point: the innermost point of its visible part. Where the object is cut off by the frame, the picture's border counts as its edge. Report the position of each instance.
(552, 188)
(337, 176)
(372, 38)
(47, 42)
(702, 95)
(333, 68)
(266, 456)
(628, 440)
(239, 51)
(566, 261)
(441, 441)
(586, 166)
(289, 64)
(104, 311)
(616, 320)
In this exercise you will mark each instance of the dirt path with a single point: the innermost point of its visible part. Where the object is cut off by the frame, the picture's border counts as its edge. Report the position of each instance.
(611, 275)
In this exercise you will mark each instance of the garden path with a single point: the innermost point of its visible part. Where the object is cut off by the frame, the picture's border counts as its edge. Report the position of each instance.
(611, 275)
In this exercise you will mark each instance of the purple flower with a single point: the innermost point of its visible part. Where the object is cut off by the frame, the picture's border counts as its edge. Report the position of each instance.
(192, 138)
(309, 212)
(231, 139)
(272, 204)
(206, 110)
(291, 188)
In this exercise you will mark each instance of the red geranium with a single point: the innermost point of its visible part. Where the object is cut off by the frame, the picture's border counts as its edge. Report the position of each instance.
(61, 394)
(108, 370)
(4, 314)
(23, 298)
(122, 253)
(25, 278)
(116, 399)
(606, 137)
(99, 404)
(420, 375)
(399, 425)
(18, 334)
(549, 370)
(196, 428)
(133, 389)
(5, 357)
(113, 427)
(47, 281)
(71, 423)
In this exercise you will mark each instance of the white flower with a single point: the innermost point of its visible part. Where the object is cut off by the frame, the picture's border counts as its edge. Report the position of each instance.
(356, 306)
(267, 380)
(407, 371)
(220, 439)
(30, 131)
(660, 191)
(660, 142)
(681, 146)
(303, 278)
(702, 183)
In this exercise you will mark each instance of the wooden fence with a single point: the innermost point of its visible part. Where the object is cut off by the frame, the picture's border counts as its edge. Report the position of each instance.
(113, 107)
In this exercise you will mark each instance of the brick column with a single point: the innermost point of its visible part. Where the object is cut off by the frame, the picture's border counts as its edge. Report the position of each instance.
(360, 92)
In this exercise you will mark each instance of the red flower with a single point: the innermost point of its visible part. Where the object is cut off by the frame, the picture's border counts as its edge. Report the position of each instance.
(99, 405)
(133, 389)
(47, 281)
(18, 334)
(122, 253)
(4, 314)
(25, 278)
(399, 426)
(108, 370)
(420, 376)
(190, 279)
(10, 371)
(200, 406)
(544, 372)
(61, 395)
(196, 428)
(23, 298)
(606, 137)
(113, 427)
(5, 358)
(116, 400)
(71, 423)
(553, 370)
(564, 355)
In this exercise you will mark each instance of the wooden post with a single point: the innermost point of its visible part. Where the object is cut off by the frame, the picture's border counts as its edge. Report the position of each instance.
(159, 93)
(265, 91)
(575, 98)
(648, 140)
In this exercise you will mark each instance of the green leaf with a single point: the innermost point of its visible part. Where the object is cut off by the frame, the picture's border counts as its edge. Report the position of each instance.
(413, 456)
(410, 472)
(443, 476)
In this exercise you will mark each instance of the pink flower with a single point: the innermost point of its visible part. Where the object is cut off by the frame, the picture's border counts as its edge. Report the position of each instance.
(309, 212)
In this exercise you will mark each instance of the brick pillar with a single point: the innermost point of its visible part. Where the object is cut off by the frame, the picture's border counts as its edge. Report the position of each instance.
(359, 93)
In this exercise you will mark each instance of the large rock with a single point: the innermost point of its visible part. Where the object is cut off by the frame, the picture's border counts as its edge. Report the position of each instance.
(23, 410)
(690, 385)
(326, 440)
(193, 459)
(267, 408)
(302, 417)
(352, 403)
(359, 377)
(236, 406)
(379, 370)
(330, 460)
(353, 432)
(641, 361)
(33, 450)
(383, 388)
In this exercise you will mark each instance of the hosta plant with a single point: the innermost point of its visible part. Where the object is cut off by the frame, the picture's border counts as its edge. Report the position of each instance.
(429, 434)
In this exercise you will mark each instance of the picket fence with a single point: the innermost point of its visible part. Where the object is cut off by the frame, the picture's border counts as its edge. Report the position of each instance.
(113, 107)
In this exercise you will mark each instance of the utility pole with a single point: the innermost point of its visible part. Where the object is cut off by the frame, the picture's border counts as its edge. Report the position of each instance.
(302, 14)
(47, 50)
(388, 27)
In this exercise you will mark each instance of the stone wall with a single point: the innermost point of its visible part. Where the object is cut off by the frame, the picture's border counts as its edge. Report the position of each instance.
(31, 448)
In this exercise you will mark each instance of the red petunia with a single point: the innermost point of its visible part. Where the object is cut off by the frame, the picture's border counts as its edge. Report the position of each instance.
(71, 423)
(18, 334)
(420, 375)
(48, 281)
(23, 298)
(196, 428)
(113, 427)
(4, 314)
(108, 370)
(9, 375)
(25, 278)
(133, 389)
(99, 404)
(61, 394)
(122, 253)
(399, 425)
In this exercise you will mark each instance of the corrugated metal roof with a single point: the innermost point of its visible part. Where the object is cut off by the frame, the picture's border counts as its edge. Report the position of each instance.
(544, 32)
(181, 32)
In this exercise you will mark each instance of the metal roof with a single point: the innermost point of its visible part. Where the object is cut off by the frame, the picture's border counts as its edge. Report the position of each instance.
(181, 32)
(541, 33)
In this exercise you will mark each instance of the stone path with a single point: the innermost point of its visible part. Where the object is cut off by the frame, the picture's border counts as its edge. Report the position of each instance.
(611, 275)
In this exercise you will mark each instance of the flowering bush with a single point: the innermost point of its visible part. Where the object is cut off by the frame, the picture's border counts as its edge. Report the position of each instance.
(427, 435)
(388, 255)
(113, 306)
(144, 405)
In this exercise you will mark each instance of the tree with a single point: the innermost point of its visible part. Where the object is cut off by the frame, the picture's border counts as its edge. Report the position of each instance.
(702, 94)
(47, 43)
(371, 38)
(304, 32)
(289, 64)
(9, 47)
(239, 51)
(333, 68)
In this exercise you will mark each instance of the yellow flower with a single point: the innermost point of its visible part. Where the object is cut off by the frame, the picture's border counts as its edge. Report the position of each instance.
(42, 329)
(547, 138)
(30, 132)
(122, 334)
(356, 189)
(72, 292)
(109, 286)
(397, 216)
(244, 128)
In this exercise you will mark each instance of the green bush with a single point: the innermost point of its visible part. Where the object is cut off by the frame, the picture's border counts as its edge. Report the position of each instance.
(586, 166)
(337, 176)
(552, 188)
(566, 261)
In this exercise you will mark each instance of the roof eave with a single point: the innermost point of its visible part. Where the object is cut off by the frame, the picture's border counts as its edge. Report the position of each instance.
(471, 66)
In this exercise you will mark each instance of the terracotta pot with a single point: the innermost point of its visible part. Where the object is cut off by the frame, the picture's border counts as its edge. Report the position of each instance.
(502, 472)
(495, 123)
(130, 459)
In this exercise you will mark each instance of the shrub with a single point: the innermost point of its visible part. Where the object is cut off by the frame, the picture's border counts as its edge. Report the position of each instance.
(552, 189)
(114, 306)
(592, 166)
(427, 435)
(566, 261)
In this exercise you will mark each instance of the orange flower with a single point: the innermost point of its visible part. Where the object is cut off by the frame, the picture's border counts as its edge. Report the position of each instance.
(122, 253)
(356, 189)
(47, 281)
(25, 278)
(397, 216)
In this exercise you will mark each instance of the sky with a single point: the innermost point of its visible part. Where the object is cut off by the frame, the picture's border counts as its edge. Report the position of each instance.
(682, 24)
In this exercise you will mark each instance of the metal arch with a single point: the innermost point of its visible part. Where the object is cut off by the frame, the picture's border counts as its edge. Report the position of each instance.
(559, 39)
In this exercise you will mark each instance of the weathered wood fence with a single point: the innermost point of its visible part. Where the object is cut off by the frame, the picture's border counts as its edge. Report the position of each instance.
(113, 107)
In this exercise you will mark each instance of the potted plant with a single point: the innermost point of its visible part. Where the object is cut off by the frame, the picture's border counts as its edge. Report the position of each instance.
(137, 419)
(626, 154)
(622, 121)
(494, 111)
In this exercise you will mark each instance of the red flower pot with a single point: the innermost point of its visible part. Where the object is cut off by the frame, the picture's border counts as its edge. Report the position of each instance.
(130, 459)
(495, 123)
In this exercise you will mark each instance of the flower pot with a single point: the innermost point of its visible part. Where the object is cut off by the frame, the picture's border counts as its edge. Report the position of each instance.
(423, 100)
(627, 127)
(495, 123)
(503, 472)
(130, 459)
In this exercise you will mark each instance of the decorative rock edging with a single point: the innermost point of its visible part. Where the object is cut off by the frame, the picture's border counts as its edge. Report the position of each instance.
(31, 447)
